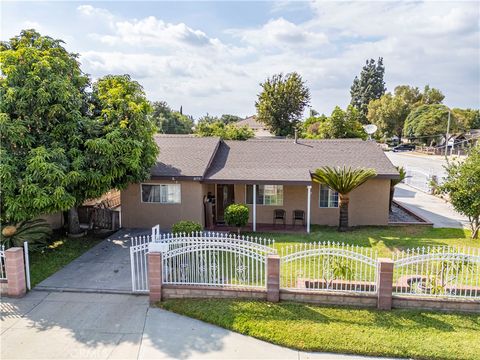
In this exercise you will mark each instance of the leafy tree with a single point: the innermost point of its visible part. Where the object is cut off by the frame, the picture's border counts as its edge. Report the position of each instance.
(226, 132)
(60, 144)
(368, 87)
(463, 188)
(341, 124)
(411, 96)
(467, 118)
(389, 114)
(228, 119)
(429, 121)
(208, 119)
(344, 181)
(237, 215)
(281, 103)
(169, 121)
(432, 96)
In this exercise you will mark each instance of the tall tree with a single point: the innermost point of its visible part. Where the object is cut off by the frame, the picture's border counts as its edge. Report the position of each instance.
(429, 122)
(340, 125)
(59, 144)
(227, 118)
(467, 118)
(343, 180)
(281, 103)
(389, 114)
(169, 121)
(224, 131)
(463, 187)
(368, 87)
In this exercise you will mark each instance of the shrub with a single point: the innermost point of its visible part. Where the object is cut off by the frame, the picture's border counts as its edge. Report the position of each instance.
(35, 232)
(236, 215)
(186, 226)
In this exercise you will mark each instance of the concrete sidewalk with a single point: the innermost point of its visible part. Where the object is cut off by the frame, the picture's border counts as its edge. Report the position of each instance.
(111, 326)
(435, 210)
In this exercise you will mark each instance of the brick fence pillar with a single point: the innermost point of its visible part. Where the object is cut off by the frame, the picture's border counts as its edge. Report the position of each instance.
(384, 283)
(15, 269)
(155, 276)
(273, 278)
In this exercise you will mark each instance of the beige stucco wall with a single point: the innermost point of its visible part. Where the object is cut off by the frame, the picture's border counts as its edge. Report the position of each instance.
(368, 205)
(136, 214)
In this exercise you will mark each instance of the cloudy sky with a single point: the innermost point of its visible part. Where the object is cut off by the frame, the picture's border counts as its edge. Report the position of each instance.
(210, 57)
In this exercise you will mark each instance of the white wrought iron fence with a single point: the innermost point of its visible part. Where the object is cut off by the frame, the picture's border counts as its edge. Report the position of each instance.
(328, 267)
(437, 271)
(3, 273)
(203, 258)
(215, 259)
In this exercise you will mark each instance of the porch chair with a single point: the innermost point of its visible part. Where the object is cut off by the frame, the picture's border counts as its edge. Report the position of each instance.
(279, 214)
(298, 215)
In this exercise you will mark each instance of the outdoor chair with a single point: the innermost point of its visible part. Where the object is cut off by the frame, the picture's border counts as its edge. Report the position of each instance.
(279, 214)
(298, 215)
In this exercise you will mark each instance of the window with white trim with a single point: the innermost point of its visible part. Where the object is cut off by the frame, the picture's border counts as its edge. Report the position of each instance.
(266, 195)
(328, 197)
(161, 193)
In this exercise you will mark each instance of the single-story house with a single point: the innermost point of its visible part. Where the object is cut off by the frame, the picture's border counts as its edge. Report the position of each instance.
(192, 172)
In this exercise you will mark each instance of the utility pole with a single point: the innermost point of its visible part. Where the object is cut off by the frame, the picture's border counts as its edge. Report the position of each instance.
(447, 136)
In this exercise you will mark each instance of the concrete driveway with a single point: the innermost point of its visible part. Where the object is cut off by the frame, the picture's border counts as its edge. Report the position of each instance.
(104, 268)
(112, 326)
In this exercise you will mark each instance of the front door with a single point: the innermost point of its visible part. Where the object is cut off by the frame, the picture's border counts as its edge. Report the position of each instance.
(225, 196)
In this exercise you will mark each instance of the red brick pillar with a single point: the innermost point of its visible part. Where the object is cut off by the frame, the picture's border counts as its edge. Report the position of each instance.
(15, 269)
(155, 276)
(273, 278)
(384, 283)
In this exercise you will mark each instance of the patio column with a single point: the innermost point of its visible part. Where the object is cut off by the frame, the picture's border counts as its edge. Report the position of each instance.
(309, 193)
(254, 208)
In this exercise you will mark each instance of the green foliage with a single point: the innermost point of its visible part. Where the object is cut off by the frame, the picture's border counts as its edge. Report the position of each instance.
(428, 120)
(281, 103)
(341, 124)
(236, 215)
(224, 131)
(398, 333)
(467, 118)
(228, 119)
(389, 114)
(463, 188)
(187, 227)
(368, 87)
(342, 179)
(402, 173)
(60, 144)
(34, 232)
(169, 121)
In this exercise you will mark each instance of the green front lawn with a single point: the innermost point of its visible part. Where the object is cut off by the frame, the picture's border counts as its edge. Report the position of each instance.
(383, 239)
(58, 254)
(396, 333)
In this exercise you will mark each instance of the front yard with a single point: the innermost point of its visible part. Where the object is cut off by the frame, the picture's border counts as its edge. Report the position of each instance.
(396, 333)
(383, 239)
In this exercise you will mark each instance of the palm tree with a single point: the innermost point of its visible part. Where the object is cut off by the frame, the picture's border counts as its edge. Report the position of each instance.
(343, 180)
(395, 182)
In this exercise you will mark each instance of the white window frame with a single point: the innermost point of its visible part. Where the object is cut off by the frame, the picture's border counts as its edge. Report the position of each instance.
(263, 204)
(162, 202)
(331, 194)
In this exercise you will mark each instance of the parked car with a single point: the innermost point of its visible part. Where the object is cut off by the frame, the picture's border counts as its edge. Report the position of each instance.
(404, 147)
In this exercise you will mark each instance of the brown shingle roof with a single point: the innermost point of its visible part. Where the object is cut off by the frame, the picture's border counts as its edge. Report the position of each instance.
(284, 161)
(183, 155)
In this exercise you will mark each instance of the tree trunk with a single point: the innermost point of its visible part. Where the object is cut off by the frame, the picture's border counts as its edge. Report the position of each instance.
(392, 192)
(73, 221)
(475, 224)
(343, 223)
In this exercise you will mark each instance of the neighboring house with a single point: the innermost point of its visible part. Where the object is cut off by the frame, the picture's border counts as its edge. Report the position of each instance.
(259, 129)
(192, 170)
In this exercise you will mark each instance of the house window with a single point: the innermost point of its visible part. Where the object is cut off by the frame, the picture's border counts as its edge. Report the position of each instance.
(328, 197)
(266, 194)
(162, 193)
